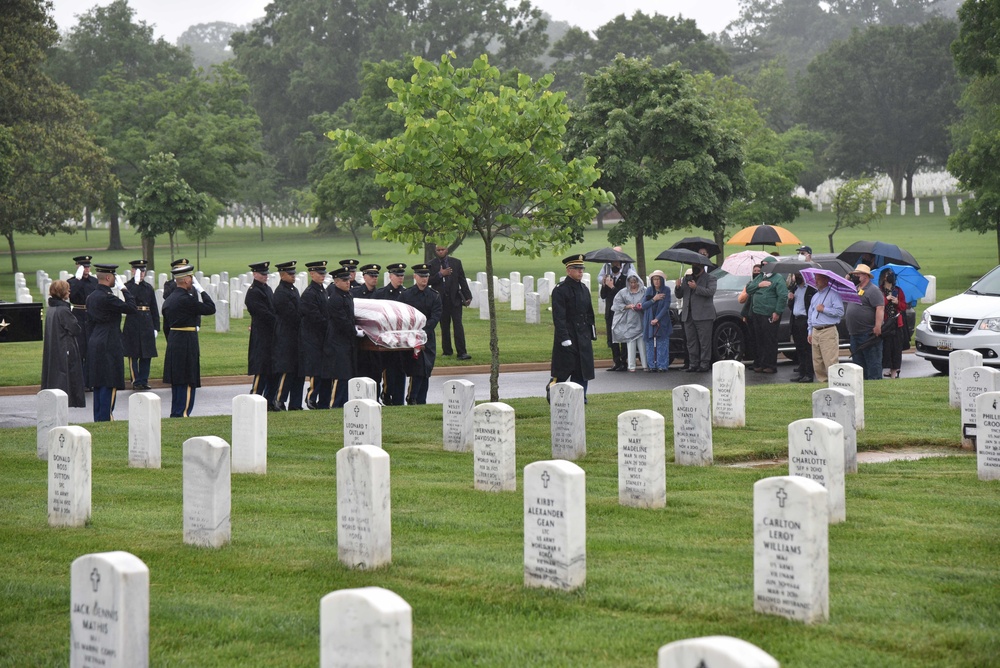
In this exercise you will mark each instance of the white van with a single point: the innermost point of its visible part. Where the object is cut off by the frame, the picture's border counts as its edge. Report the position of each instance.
(969, 321)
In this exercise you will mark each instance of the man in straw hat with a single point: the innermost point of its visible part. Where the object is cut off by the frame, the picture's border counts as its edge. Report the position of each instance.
(864, 324)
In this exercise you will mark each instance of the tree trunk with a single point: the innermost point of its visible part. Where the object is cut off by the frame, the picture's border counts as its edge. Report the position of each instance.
(260, 214)
(494, 342)
(640, 252)
(13, 252)
(429, 254)
(357, 241)
(147, 252)
(909, 187)
(114, 232)
(997, 226)
(719, 235)
(88, 222)
(896, 175)
(600, 219)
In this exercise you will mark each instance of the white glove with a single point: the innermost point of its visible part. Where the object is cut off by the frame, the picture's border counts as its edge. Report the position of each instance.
(567, 343)
(119, 283)
(197, 286)
(156, 333)
(135, 277)
(198, 328)
(79, 272)
(360, 331)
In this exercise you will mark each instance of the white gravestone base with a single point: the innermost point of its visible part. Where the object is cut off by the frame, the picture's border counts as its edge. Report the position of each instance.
(555, 525)
(364, 511)
(207, 491)
(641, 460)
(493, 438)
(69, 477)
(370, 626)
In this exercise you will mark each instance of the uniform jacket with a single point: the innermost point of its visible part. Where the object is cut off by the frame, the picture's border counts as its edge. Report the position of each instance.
(79, 290)
(698, 304)
(62, 368)
(140, 342)
(428, 302)
(453, 289)
(313, 323)
(573, 317)
(105, 354)
(259, 301)
(182, 361)
(389, 292)
(285, 354)
(340, 348)
(362, 292)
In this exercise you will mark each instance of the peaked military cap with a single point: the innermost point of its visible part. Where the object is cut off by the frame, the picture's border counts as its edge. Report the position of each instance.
(574, 260)
(139, 264)
(105, 268)
(180, 262)
(182, 270)
(399, 269)
(83, 259)
(260, 267)
(421, 269)
(341, 272)
(286, 266)
(350, 265)
(319, 266)
(375, 268)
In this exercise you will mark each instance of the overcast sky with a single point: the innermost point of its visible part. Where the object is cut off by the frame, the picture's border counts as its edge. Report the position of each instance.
(173, 17)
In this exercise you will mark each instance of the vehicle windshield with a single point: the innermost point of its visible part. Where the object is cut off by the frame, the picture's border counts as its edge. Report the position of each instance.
(988, 284)
(727, 281)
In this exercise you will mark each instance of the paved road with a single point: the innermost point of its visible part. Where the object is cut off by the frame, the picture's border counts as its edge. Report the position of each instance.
(19, 411)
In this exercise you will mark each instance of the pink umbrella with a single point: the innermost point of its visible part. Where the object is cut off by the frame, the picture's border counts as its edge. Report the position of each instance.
(741, 264)
(843, 287)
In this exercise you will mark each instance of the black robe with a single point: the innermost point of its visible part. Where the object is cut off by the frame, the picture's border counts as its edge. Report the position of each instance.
(340, 348)
(260, 305)
(140, 342)
(285, 353)
(62, 368)
(312, 330)
(428, 302)
(182, 361)
(79, 290)
(573, 317)
(105, 353)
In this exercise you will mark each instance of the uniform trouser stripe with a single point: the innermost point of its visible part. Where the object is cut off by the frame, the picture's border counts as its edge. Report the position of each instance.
(114, 395)
(333, 391)
(256, 383)
(133, 366)
(187, 402)
(281, 388)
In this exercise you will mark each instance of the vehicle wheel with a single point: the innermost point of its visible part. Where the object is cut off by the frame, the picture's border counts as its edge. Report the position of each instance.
(940, 365)
(728, 341)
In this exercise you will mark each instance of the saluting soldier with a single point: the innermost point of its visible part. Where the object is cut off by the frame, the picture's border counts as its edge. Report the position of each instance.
(393, 373)
(340, 349)
(313, 324)
(285, 358)
(575, 332)
(259, 301)
(81, 286)
(182, 312)
(170, 285)
(141, 328)
(104, 318)
(426, 300)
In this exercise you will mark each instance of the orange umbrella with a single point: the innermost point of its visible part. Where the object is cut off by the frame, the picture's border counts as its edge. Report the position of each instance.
(764, 235)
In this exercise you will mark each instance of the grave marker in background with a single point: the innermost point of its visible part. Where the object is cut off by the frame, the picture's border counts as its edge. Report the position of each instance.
(370, 626)
(249, 434)
(69, 476)
(52, 411)
(692, 426)
(555, 525)
(988, 436)
(958, 361)
(362, 387)
(207, 491)
(364, 511)
(363, 423)
(458, 400)
(144, 430)
(641, 460)
(838, 405)
(972, 382)
(729, 394)
(714, 652)
(816, 451)
(851, 377)
(567, 421)
(494, 458)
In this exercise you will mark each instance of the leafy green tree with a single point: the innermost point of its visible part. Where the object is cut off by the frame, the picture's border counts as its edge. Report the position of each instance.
(203, 228)
(305, 57)
(661, 150)
(164, 204)
(478, 158)
(50, 167)
(977, 134)
(852, 205)
(208, 43)
(887, 95)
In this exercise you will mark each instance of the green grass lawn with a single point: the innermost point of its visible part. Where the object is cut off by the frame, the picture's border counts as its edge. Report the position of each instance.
(914, 576)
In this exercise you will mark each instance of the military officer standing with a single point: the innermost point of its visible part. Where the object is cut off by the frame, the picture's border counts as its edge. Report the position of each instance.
(575, 332)
(170, 285)
(81, 286)
(367, 289)
(104, 354)
(259, 301)
(340, 349)
(394, 375)
(285, 358)
(141, 328)
(369, 361)
(182, 312)
(426, 300)
(313, 324)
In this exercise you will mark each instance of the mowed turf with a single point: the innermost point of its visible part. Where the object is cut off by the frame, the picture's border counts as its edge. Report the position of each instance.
(914, 576)
(956, 259)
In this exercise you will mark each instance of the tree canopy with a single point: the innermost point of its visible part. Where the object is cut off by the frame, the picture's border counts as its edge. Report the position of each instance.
(852, 205)
(164, 203)
(478, 157)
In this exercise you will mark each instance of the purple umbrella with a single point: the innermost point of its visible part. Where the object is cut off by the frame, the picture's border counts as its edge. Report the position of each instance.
(843, 287)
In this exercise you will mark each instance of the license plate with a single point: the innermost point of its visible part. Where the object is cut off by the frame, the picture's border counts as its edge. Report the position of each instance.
(943, 345)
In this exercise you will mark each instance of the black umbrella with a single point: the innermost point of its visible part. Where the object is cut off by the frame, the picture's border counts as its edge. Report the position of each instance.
(883, 252)
(685, 256)
(792, 266)
(697, 243)
(607, 255)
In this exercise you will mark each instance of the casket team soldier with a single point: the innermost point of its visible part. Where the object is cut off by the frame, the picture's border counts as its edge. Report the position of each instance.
(313, 323)
(393, 374)
(259, 301)
(285, 358)
(369, 284)
(340, 349)
(81, 285)
(369, 361)
(141, 328)
(420, 365)
(182, 312)
(352, 267)
(105, 354)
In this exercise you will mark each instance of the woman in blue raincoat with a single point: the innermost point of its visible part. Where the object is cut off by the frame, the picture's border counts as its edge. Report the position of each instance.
(656, 325)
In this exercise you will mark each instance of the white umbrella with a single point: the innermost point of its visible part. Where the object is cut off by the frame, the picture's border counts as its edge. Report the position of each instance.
(741, 264)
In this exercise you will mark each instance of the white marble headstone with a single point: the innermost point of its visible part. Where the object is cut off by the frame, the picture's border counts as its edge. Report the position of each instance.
(370, 626)
(362, 388)
(481, 278)
(363, 422)
(516, 296)
(207, 491)
(641, 459)
(69, 476)
(532, 308)
(729, 394)
(791, 572)
(958, 361)
(568, 421)
(457, 401)
(52, 411)
(493, 437)
(850, 377)
(484, 304)
(714, 652)
(988, 435)
(972, 382)
(838, 405)
(109, 611)
(249, 434)
(555, 525)
(475, 288)
(544, 290)
(364, 511)
(502, 293)
(692, 425)
(816, 451)
(144, 430)
(222, 316)
(529, 284)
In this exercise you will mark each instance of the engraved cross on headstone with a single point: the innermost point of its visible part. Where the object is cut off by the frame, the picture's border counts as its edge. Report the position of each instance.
(809, 433)
(357, 409)
(95, 579)
(62, 439)
(686, 395)
(454, 388)
(635, 424)
(562, 390)
(975, 376)
(545, 479)
(828, 400)
(782, 495)
(487, 414)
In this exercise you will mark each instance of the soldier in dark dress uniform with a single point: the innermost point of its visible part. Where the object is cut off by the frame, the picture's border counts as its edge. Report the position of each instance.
(182, 312)
(340, 348)
(369, 361)
(313, 324)
(81, 286)
(393, 373)
(105, 354)
(285, 354)
(426, 300)
(170, 285)
(573, 317)
(142, 328)
(259, 301)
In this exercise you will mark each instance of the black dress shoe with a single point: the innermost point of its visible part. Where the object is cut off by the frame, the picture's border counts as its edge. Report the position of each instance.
(805, 379)
(797, 379)
(705, 369)
(447, 354)
(464, 357)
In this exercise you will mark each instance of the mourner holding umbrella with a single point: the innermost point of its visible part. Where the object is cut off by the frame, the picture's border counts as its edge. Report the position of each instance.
(182, 311)
(104, 345)
(697, 314)
(141, 328)
(573, 318)
(825, 311)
